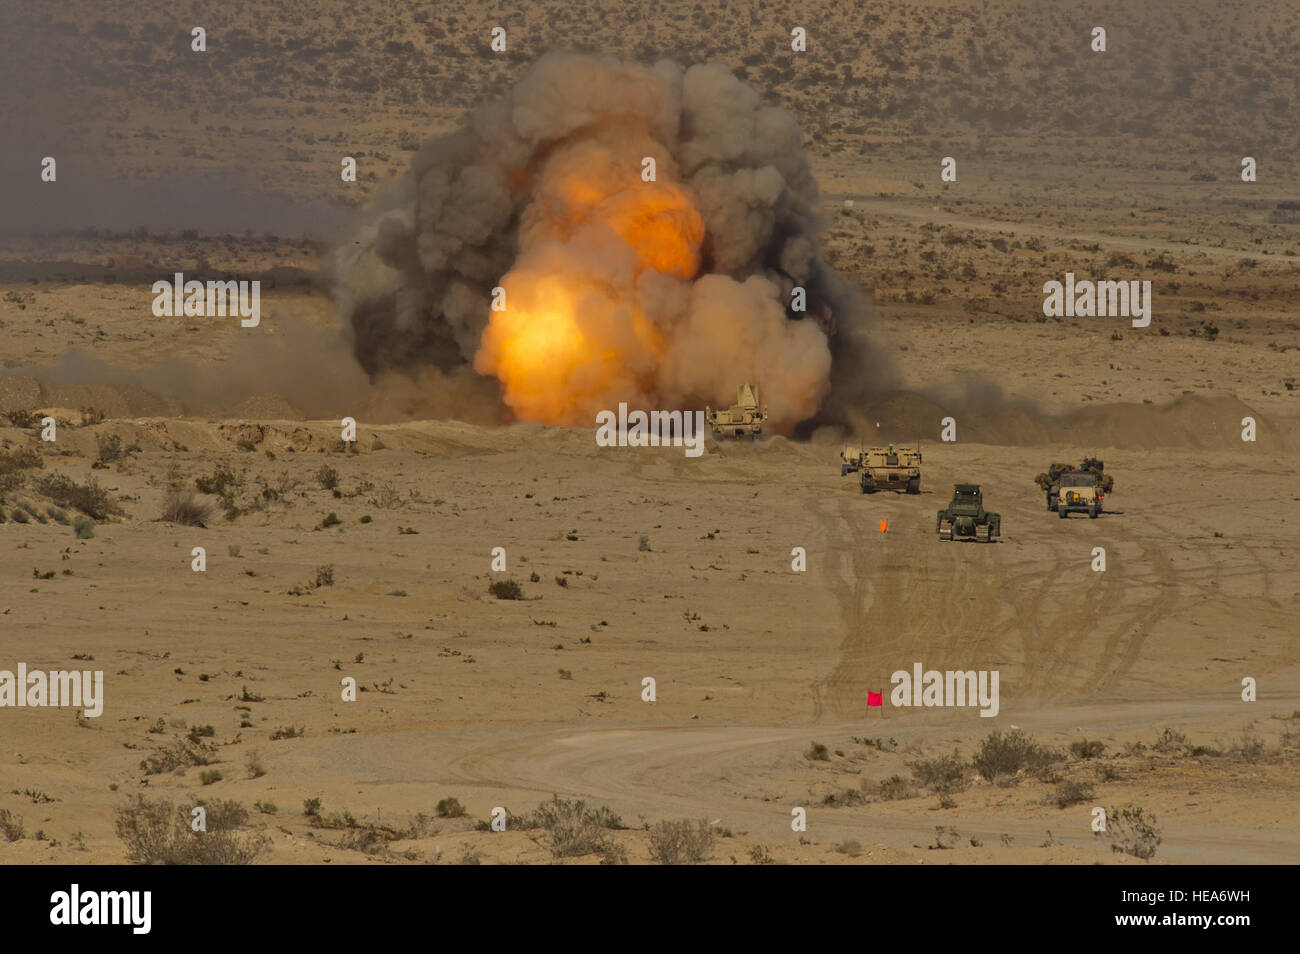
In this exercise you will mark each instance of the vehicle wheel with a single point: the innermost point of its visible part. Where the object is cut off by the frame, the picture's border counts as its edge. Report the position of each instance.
(914, 485)
(1092, 513)
(1051, 504)
(1062, 512)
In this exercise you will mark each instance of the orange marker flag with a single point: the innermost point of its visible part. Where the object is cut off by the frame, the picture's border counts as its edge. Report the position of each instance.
(884, 524)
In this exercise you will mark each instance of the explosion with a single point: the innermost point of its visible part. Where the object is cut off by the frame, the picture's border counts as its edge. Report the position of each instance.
(530, 246)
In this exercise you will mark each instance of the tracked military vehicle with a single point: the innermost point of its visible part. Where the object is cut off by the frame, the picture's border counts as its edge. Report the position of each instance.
(743, 419)
(850, 459)
(966, 518)
(891, 468)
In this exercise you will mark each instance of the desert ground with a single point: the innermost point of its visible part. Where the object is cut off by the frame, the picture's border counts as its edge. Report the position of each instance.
(373, 559)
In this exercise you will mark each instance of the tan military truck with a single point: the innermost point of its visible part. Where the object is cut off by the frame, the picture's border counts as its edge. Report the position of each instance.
(891, 468)
(1078, 491)
(743, 419)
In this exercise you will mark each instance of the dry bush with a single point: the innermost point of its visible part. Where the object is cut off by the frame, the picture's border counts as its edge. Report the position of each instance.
(1071, 792)
(1133, 832)
(109, 447)
(944, 774)
(1006, 755)
(159, 833)
(182, 754)
(1084, 749)
(186, 510)
(89, 498)
(12, 465)
(11, 825)
(681, 842)
(574, 829)
(506, 590)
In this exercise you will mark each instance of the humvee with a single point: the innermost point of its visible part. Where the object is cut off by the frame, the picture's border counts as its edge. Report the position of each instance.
(1050, 481)
(891, 468)
(1078, 491)
(743, 419)
(966, 516)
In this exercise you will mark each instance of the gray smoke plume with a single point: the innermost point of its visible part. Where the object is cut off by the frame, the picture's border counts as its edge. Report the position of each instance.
(664, 294)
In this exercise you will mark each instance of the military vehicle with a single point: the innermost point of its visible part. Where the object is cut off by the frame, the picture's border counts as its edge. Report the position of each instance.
(850, 459)
(891, 468)
(966, 516)
(1078, 491)
(1051, 481)
(743, 419)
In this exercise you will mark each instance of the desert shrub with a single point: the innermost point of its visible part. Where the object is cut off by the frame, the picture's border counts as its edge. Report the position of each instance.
(573, 828)
(89, 498)
(325, 575)
(681, 842)
(23, 419)
(1247, 746)
(331, 520)
(944, 774)
(817, 753)
(159, 833)
(58, 516)
(12, 466)
(1071, 792)
(109, 447)
(327, 477)
(84, 528)
(1171, 742)
(1084, 749)
(1006, 755)
(895, 787)
(506, 590)
(181, 754)
(186, 510)
(1133, 832)
(449, 808)
(11, 825)
(218, 482)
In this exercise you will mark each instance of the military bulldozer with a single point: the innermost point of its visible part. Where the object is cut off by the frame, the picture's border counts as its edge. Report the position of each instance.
(1050, 482)
(966, 517)
(891, 468)
(743, 419)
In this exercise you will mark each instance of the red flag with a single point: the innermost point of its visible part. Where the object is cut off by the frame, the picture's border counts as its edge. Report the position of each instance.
(875, 699)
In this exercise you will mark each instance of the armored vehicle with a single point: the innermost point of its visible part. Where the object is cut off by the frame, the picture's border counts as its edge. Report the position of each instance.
(1078, 491)
(966, 516)
(1050, 482)
(850, 459)
(743, 419)
(891, 468)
